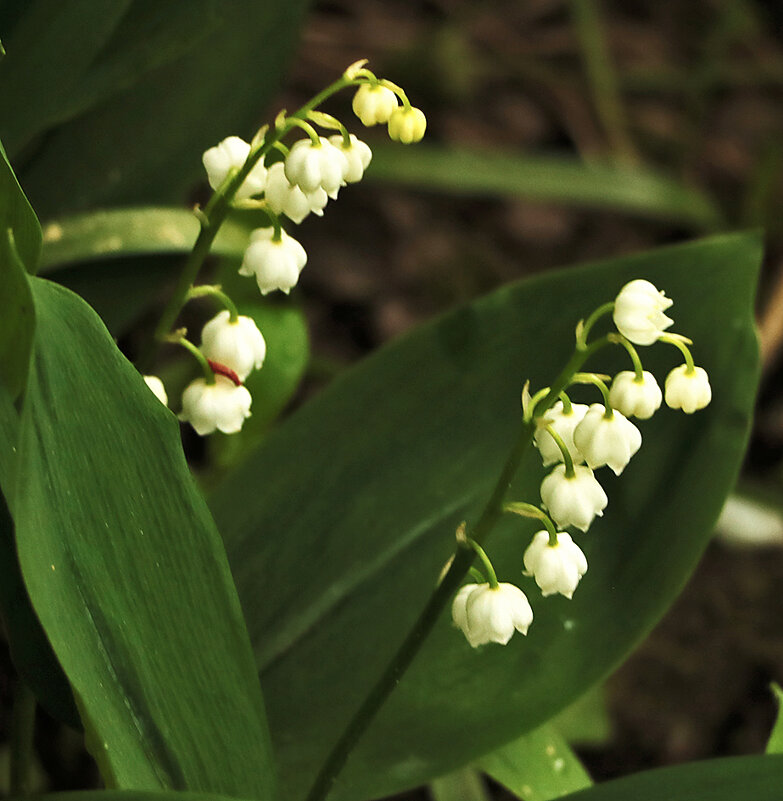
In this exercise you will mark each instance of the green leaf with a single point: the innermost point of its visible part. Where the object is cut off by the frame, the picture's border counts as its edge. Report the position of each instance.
(462, 785)
(347, 514)
(555, 179)
(537, 767)
(755, 778)
(17, 321)
(775, 742)
(127, 572)
(144, 145)
(17, 214)
(59, 65)
(121, 233)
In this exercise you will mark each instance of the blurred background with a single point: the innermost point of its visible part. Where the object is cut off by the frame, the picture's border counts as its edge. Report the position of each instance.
(559, 131)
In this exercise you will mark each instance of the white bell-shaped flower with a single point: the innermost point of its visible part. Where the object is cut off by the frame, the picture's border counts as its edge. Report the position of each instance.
(374, 104)
(357, 154)
(276, 264)
(491, 614)
(607, 441)
(239, 345)
(407, 125)
(689, 391)
(231, 154)
(555, 568)
(313, 166)
(156, 385)
(638, 312)
(222, 406)
(284, 198)
(635, 398)
(563, 425)
(573, 501)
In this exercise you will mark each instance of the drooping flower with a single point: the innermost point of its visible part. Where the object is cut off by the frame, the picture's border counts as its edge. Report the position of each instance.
(231, 154)
(638, 312)
(688, 390)
(491, 614)
(358, 156)
(635, 398)
(313, 166)
(555, 568)
(563, 424)
(407, 125)
(222, 406)
(238, 345)
(573, 501)
(285, 198)
(374, 104)
(276, 264)
(605, 440)
(156, 385)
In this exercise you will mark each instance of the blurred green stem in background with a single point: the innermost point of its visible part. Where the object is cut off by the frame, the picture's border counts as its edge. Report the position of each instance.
(22, 728)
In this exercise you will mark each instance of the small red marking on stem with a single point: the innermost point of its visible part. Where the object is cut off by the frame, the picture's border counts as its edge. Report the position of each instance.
(221, 369)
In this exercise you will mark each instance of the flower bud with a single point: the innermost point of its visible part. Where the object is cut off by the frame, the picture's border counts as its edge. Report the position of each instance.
(221, 406)
(231, 154)
(275, 264)
(688, 391)
(491, 614)
(239, 345)
(316, 166)
(556, 568)
(635, 398)
(284, 198)
(358, 156)
(638, 312)
(407, 125)
(563, 425)
(607, 441)
(573, 501)
(156, 385)
(374, 103)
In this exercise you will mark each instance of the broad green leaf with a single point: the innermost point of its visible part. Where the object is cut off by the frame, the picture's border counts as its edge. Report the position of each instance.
(347, 514)
(64, 57)
(104, 235)
(125, 795)
(747, 778)
(587, 721)
(17, 214)
(17, 321)
(775, 742)
(539, 766)
(462, 785)
(144, 145)
(127, 572)
(555, 179)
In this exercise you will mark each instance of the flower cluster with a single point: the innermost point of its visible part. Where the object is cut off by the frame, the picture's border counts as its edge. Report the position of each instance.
(313, 170)
(579, 439)
(285, 182)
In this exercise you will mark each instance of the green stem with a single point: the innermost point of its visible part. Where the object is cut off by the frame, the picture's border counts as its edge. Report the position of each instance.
(565, 453)
(440, 597)
(482, 555)
(567, 407)
(584, 330)
(22, 729)
(209, 375)
(209, 290)
(591, 378)
(679, 342)
(216, 211)
(633, 353)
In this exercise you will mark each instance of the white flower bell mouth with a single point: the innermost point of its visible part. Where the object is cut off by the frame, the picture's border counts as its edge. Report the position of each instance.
(156, 385)
(285, 198)
(238, 345)
(688, 390)
(276, 264)
(555, 568)
(573, 501)
(638, 312)
(491, 614)
(606, 440)
(222, 406)
(313, 166)
(229, 155)
(634, 398)
(358, 156)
